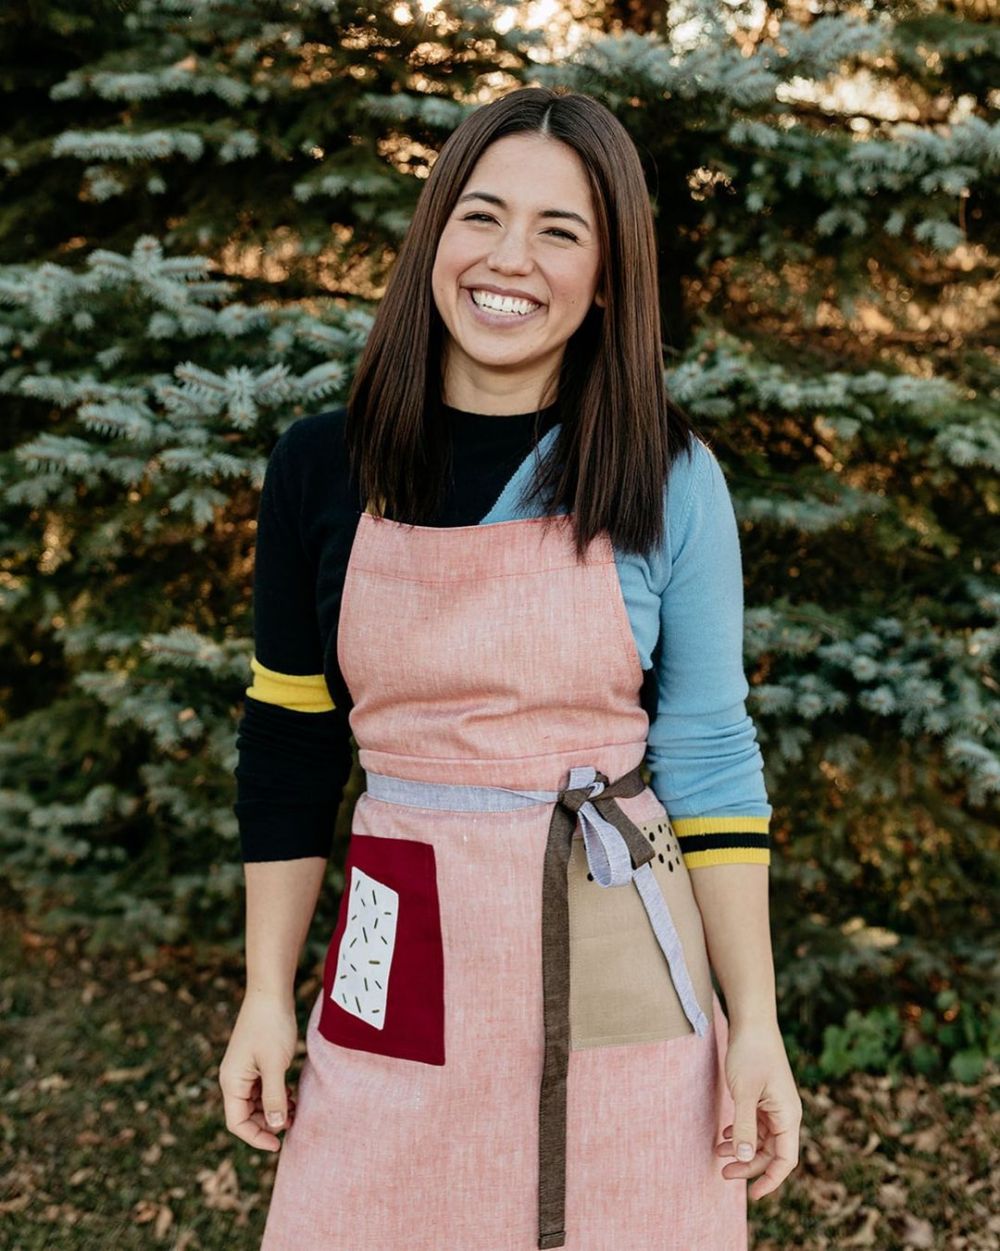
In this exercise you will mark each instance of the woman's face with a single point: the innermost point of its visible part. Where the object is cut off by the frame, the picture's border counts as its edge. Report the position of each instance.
(523, 224)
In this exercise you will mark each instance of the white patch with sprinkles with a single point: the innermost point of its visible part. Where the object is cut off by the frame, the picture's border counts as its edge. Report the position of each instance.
(361, 983)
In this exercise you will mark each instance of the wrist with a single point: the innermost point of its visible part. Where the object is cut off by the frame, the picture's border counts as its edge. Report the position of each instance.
(759, 1018)
(281, 994)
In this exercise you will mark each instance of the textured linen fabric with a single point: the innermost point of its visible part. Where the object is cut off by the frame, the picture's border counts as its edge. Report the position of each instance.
(684, 604)
(455, 647)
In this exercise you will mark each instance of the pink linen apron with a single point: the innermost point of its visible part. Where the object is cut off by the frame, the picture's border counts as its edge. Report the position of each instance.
(501, 1056)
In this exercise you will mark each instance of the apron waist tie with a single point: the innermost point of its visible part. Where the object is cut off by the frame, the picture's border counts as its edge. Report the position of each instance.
(617, 853)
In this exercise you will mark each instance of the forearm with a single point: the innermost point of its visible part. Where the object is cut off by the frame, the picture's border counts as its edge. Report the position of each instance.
(733, 900)
(281, 898)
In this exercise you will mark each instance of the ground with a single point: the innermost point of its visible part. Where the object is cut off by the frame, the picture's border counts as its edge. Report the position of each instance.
(112, 1133)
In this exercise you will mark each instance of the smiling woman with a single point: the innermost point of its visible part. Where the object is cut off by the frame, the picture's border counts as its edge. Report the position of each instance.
(538, 197)
(511, 270)
(515, 570)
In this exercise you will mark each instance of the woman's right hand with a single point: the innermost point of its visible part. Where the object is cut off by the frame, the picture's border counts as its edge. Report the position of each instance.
(252, 1074)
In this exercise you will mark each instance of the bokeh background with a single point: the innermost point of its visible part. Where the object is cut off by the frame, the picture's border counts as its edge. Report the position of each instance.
(200, 201)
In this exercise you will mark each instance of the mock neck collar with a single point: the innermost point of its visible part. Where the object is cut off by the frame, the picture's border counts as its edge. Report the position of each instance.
(499, 418)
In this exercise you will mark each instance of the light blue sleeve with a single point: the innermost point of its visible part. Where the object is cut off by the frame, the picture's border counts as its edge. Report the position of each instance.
(705, 762)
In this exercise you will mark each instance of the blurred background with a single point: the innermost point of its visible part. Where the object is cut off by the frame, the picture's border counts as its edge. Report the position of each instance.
(200, 202)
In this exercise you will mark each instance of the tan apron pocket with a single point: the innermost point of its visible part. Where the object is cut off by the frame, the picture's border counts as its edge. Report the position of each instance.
(621, 990)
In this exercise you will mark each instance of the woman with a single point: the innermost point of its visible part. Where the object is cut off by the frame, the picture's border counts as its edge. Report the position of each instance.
(513, 578)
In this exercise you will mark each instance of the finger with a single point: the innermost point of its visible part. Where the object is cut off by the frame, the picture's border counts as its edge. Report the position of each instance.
(240, 1094)
(258, 1109)
(748, 1169)
(745, 1128)
(274, 1095)
(239, 1115)
(728, 1151)
(289, 1094)
(258, 1105)
(258, 1119)
(258, 1115)
(726, 1147)
(291, 1106)
(257, 1136)
(785, 1158)
(728, 1144)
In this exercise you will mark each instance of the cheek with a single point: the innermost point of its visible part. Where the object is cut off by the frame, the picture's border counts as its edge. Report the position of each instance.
(454, 254)
(573, 278)
(440, 262)
(573, 291)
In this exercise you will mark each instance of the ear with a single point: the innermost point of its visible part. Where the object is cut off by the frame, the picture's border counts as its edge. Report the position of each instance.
(600, 301)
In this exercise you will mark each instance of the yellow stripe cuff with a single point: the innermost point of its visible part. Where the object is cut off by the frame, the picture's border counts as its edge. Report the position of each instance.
(727, 855)
(719, 825)
(297, 692)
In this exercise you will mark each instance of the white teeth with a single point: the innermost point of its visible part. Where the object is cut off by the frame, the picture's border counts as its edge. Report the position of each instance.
(503, 303)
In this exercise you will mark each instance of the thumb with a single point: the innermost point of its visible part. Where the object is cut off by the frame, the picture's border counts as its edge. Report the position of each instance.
(745, 1130)
(273, 1096)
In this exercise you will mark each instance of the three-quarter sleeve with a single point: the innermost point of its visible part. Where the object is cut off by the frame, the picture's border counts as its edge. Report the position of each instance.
(705, 762)
(293, 744)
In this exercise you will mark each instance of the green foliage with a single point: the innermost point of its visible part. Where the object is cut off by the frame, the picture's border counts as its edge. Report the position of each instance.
(285, 131)
(127, 553)
(955, 1041)
(865, 1041)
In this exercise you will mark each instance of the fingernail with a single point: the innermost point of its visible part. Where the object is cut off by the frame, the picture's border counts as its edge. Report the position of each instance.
(744, 1151)
(275, 1118)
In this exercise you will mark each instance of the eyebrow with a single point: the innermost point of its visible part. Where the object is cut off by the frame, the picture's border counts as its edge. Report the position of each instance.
(495, 199)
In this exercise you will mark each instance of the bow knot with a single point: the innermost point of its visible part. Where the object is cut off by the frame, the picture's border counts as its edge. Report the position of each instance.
(615, 847)
(584, 784)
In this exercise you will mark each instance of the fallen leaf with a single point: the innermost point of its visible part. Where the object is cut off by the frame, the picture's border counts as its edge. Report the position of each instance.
(124, 1075)
(865, 1236)
(917, 1232)
(220, 1186)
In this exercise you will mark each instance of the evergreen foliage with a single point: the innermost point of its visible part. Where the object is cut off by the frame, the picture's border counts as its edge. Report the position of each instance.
(201, 201)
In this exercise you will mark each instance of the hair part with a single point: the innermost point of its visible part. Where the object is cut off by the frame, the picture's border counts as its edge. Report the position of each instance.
(619, 431)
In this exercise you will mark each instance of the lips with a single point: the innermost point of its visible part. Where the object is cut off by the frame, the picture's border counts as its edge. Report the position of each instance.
(487, 317)
(513, 292)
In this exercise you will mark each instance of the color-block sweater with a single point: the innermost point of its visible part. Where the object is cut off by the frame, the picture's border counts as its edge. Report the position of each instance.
(684, 602)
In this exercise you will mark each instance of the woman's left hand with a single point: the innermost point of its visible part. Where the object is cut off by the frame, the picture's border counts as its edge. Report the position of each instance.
(768, 1108)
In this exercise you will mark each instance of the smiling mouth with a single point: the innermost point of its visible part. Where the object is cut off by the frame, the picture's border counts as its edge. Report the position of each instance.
(519, 309)
(502, 305)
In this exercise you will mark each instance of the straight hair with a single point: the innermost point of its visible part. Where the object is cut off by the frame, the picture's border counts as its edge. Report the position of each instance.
(619, 430)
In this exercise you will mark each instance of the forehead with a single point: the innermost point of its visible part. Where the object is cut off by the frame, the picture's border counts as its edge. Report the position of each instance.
(531, 165)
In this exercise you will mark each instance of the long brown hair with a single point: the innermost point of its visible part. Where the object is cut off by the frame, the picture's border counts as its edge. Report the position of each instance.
(620, 431)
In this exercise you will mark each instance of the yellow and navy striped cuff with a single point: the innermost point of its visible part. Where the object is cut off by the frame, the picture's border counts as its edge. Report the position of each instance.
(723, 840)
(297, 692)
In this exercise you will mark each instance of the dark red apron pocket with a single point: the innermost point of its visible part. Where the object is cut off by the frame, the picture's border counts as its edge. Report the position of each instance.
(383, 981)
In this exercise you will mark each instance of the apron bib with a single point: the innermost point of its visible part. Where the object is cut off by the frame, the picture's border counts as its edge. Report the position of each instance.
(518, 948)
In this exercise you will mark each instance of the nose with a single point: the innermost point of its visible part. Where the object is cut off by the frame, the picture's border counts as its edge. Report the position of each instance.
(511, 254)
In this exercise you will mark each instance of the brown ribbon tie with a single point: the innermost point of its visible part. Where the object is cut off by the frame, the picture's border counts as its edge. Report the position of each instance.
(617, 853)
